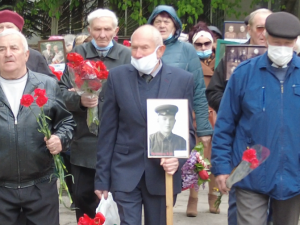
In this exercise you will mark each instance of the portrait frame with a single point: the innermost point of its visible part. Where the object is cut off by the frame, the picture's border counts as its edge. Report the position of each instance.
(179, 137)
(236, 54)
(220, 52)
(236, 35)
(53, 58)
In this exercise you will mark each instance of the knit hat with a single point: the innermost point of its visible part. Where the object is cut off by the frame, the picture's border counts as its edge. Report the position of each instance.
(12, 17)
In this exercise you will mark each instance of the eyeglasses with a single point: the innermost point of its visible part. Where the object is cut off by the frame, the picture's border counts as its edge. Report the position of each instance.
(260, 29)
(206, 44)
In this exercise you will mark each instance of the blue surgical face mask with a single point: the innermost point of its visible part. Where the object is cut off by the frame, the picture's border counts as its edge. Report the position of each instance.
(204, 54)
(109, 46)
(170, 36)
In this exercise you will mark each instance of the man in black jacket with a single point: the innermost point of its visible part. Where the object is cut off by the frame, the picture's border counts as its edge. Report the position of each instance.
(103, 26)
(36, 62)
(26, 157)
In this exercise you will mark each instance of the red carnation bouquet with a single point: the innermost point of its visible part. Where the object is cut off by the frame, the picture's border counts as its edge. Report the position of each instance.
(86, 220)
(87, 78)
(251, 159)
(195, 171)
(41, 100)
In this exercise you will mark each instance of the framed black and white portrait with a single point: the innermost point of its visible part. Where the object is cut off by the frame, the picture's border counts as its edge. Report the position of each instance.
(235, 54)
(235, 31)
(168, 128)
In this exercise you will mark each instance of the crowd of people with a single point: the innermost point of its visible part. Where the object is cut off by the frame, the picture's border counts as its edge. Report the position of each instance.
(257, 105)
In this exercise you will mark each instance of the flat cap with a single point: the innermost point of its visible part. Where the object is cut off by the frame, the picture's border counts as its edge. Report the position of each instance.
(215, 29)
(283, 25)
(12, 17)
(165, 110)
(246, 20)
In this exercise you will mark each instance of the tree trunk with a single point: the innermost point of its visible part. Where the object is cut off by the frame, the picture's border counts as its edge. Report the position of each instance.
(289, 5)
(101, 4)
(54, 26)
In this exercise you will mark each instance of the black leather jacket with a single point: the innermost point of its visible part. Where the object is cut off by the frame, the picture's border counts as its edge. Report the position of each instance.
(25, 159)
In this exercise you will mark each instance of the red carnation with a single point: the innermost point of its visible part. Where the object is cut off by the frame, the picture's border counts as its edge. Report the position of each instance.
(126, 43)
(41, 100)
(26, 100)
(74, 58)
(85, 220)
(254, 163)
(99, 218)
(100, 65)
(203, 175)
(249, 155)
(78, 81)
(102, 75)
(39, 92)
(95, 85)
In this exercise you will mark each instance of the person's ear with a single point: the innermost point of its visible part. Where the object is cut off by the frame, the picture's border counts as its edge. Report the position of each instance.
(116, 31)
(160, 51)
(27, 55)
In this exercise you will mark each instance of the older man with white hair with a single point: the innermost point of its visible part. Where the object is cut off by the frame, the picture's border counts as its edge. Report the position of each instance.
(103, 26)
(122, 164)
(26, 164)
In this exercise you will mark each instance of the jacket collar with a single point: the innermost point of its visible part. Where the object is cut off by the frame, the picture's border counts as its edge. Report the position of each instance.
(91, 51)
(32, 82)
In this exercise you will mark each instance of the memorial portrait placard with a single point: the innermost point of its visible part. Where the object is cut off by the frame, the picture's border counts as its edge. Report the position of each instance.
(168, 128)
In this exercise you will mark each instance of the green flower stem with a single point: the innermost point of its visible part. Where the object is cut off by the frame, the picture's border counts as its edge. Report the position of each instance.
(59, 165)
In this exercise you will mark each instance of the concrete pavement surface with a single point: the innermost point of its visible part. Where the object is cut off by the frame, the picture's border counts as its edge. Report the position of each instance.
(67, 217)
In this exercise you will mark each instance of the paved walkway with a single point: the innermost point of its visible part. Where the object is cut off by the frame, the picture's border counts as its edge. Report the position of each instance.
(67, 217)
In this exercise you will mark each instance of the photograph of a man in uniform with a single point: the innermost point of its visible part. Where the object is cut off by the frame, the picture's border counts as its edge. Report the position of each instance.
(164, 142)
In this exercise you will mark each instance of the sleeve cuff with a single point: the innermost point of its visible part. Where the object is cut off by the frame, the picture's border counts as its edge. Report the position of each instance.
(221, 169)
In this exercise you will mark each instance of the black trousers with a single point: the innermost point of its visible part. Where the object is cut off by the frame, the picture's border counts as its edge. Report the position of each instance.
(39, 204)
(86, 201)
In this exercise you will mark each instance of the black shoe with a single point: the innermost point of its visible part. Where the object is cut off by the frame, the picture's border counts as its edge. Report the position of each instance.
(72, 206)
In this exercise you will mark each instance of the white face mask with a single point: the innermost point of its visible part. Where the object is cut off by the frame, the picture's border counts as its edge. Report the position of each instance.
(146, 64)
(280, 55)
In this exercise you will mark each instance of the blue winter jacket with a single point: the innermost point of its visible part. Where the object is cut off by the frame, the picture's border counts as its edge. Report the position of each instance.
(257, 108)
(183, 55)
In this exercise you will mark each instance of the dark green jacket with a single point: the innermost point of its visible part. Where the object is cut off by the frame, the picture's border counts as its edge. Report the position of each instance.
(183, 55)
(84, 145)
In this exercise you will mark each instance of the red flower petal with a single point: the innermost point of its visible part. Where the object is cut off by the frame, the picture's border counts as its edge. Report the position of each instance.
(203, 175)
(41, 100)
(26, 100)
(249, 155)
(74, 57)
(39, 92)
(95, 84)
(100, 218)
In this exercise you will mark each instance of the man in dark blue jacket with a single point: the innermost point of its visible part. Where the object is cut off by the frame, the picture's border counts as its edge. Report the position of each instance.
(260, 106)
(122, 164)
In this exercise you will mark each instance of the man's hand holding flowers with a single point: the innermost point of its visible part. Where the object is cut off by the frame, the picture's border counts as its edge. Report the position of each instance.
(53, 144)
(88, 100)
(221, 182)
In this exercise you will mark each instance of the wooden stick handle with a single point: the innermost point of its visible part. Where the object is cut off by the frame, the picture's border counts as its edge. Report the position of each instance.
(169, 198)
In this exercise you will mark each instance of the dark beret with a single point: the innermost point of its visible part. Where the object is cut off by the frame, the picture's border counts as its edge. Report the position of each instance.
(12, 17)
(215, 29)
(246, 20)
(165, 110)
(283, 25)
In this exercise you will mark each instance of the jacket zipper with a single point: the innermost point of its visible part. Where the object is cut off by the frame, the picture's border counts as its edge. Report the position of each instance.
(17, 153)
(281, 137)
(264, 98)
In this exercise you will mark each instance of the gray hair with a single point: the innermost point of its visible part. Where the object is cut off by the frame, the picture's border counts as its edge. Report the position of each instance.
(157, 38)
(13, 31)
(258, 11)
(102, 13)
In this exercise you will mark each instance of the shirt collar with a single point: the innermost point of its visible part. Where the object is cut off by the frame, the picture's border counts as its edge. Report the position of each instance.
(155, 72)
